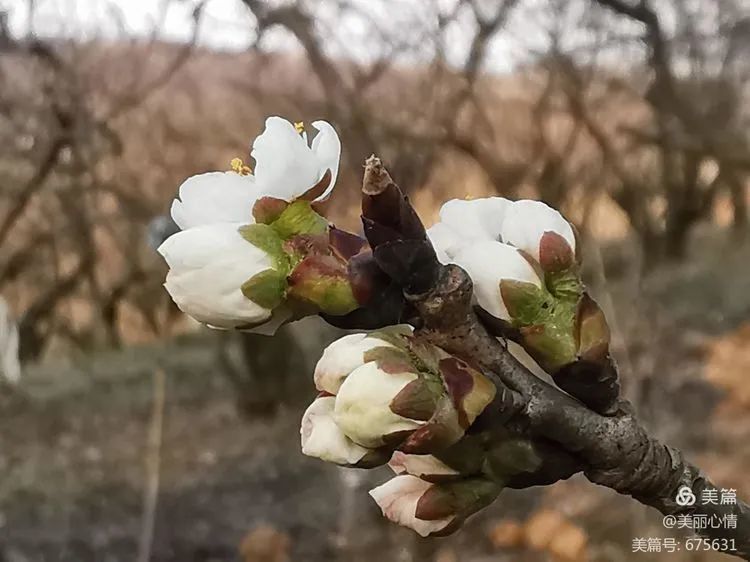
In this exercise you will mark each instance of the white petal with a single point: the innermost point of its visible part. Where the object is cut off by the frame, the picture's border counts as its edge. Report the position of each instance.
(327, 148)
(475, 219)
(398, 500)
(527, 220)
(341, 358)
(363, 405)
(419, 465)
(488, 263)
(322, 438)
(208, 265)
(285, 167)
(446, 241)
(215, 197)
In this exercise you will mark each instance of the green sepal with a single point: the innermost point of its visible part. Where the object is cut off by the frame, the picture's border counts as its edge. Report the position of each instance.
(525, 301)
(267, 288)
(322, 281)
(267, 239)
(417, 400)
(510, 457)
(565, 284)
(552, 344)
(299, 218)
(390, 359)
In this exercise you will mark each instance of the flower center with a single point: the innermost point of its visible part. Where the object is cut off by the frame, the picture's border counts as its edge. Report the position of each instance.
(299, 126)
(239, 167)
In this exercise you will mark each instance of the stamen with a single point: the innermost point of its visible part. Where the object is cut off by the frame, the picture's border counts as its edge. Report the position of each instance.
(239, 167)
(299, 126)
(468, 197)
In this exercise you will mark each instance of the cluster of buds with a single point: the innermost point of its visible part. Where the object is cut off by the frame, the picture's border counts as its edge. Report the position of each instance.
(524, 261)
(388, 396)
(253, 251)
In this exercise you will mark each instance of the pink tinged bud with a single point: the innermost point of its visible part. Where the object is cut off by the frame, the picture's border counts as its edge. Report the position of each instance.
(555, 254)
(363, 405)
(323, 282)
(469, 389)
(489, 263)
(527, 221)
(398, 499)
(423, 466)
(341, 358)
(267, 209)
(322, 438)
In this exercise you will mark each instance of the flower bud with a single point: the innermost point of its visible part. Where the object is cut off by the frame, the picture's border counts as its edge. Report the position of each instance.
(344, 356)
(427, 467)
(527, 221)
(322, 438)
(433, 509)
(395, 391)
(364, 405)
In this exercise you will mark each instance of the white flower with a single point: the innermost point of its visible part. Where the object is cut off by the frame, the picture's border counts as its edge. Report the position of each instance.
(363, 405)
(215, 197)
(286, 167)
(420, 465)
(341, 358)
(398, 499)
(208, 266)
(322, 438)
(10, 366)
(465, 221)
(488, 263)
(527, 220)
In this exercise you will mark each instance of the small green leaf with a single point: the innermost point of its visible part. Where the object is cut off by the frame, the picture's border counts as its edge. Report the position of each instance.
(525, 301)
(299, 218)
(267, 239)
(565, 284)
(266, 289)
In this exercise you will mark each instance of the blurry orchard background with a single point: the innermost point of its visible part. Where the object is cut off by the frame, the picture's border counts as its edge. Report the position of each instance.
(136, 435)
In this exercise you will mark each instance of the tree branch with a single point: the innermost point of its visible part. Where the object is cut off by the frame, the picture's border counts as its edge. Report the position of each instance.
(611, 450)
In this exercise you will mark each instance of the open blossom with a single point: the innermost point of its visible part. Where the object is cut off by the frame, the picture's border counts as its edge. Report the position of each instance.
(527, 221)
(389, 390)
(208, 265)
(521, 224)
(229, 272)
(285, 168)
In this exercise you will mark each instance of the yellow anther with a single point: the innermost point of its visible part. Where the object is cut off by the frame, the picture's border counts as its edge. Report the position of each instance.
(299, 126)
(468, 197)
(239, 167)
